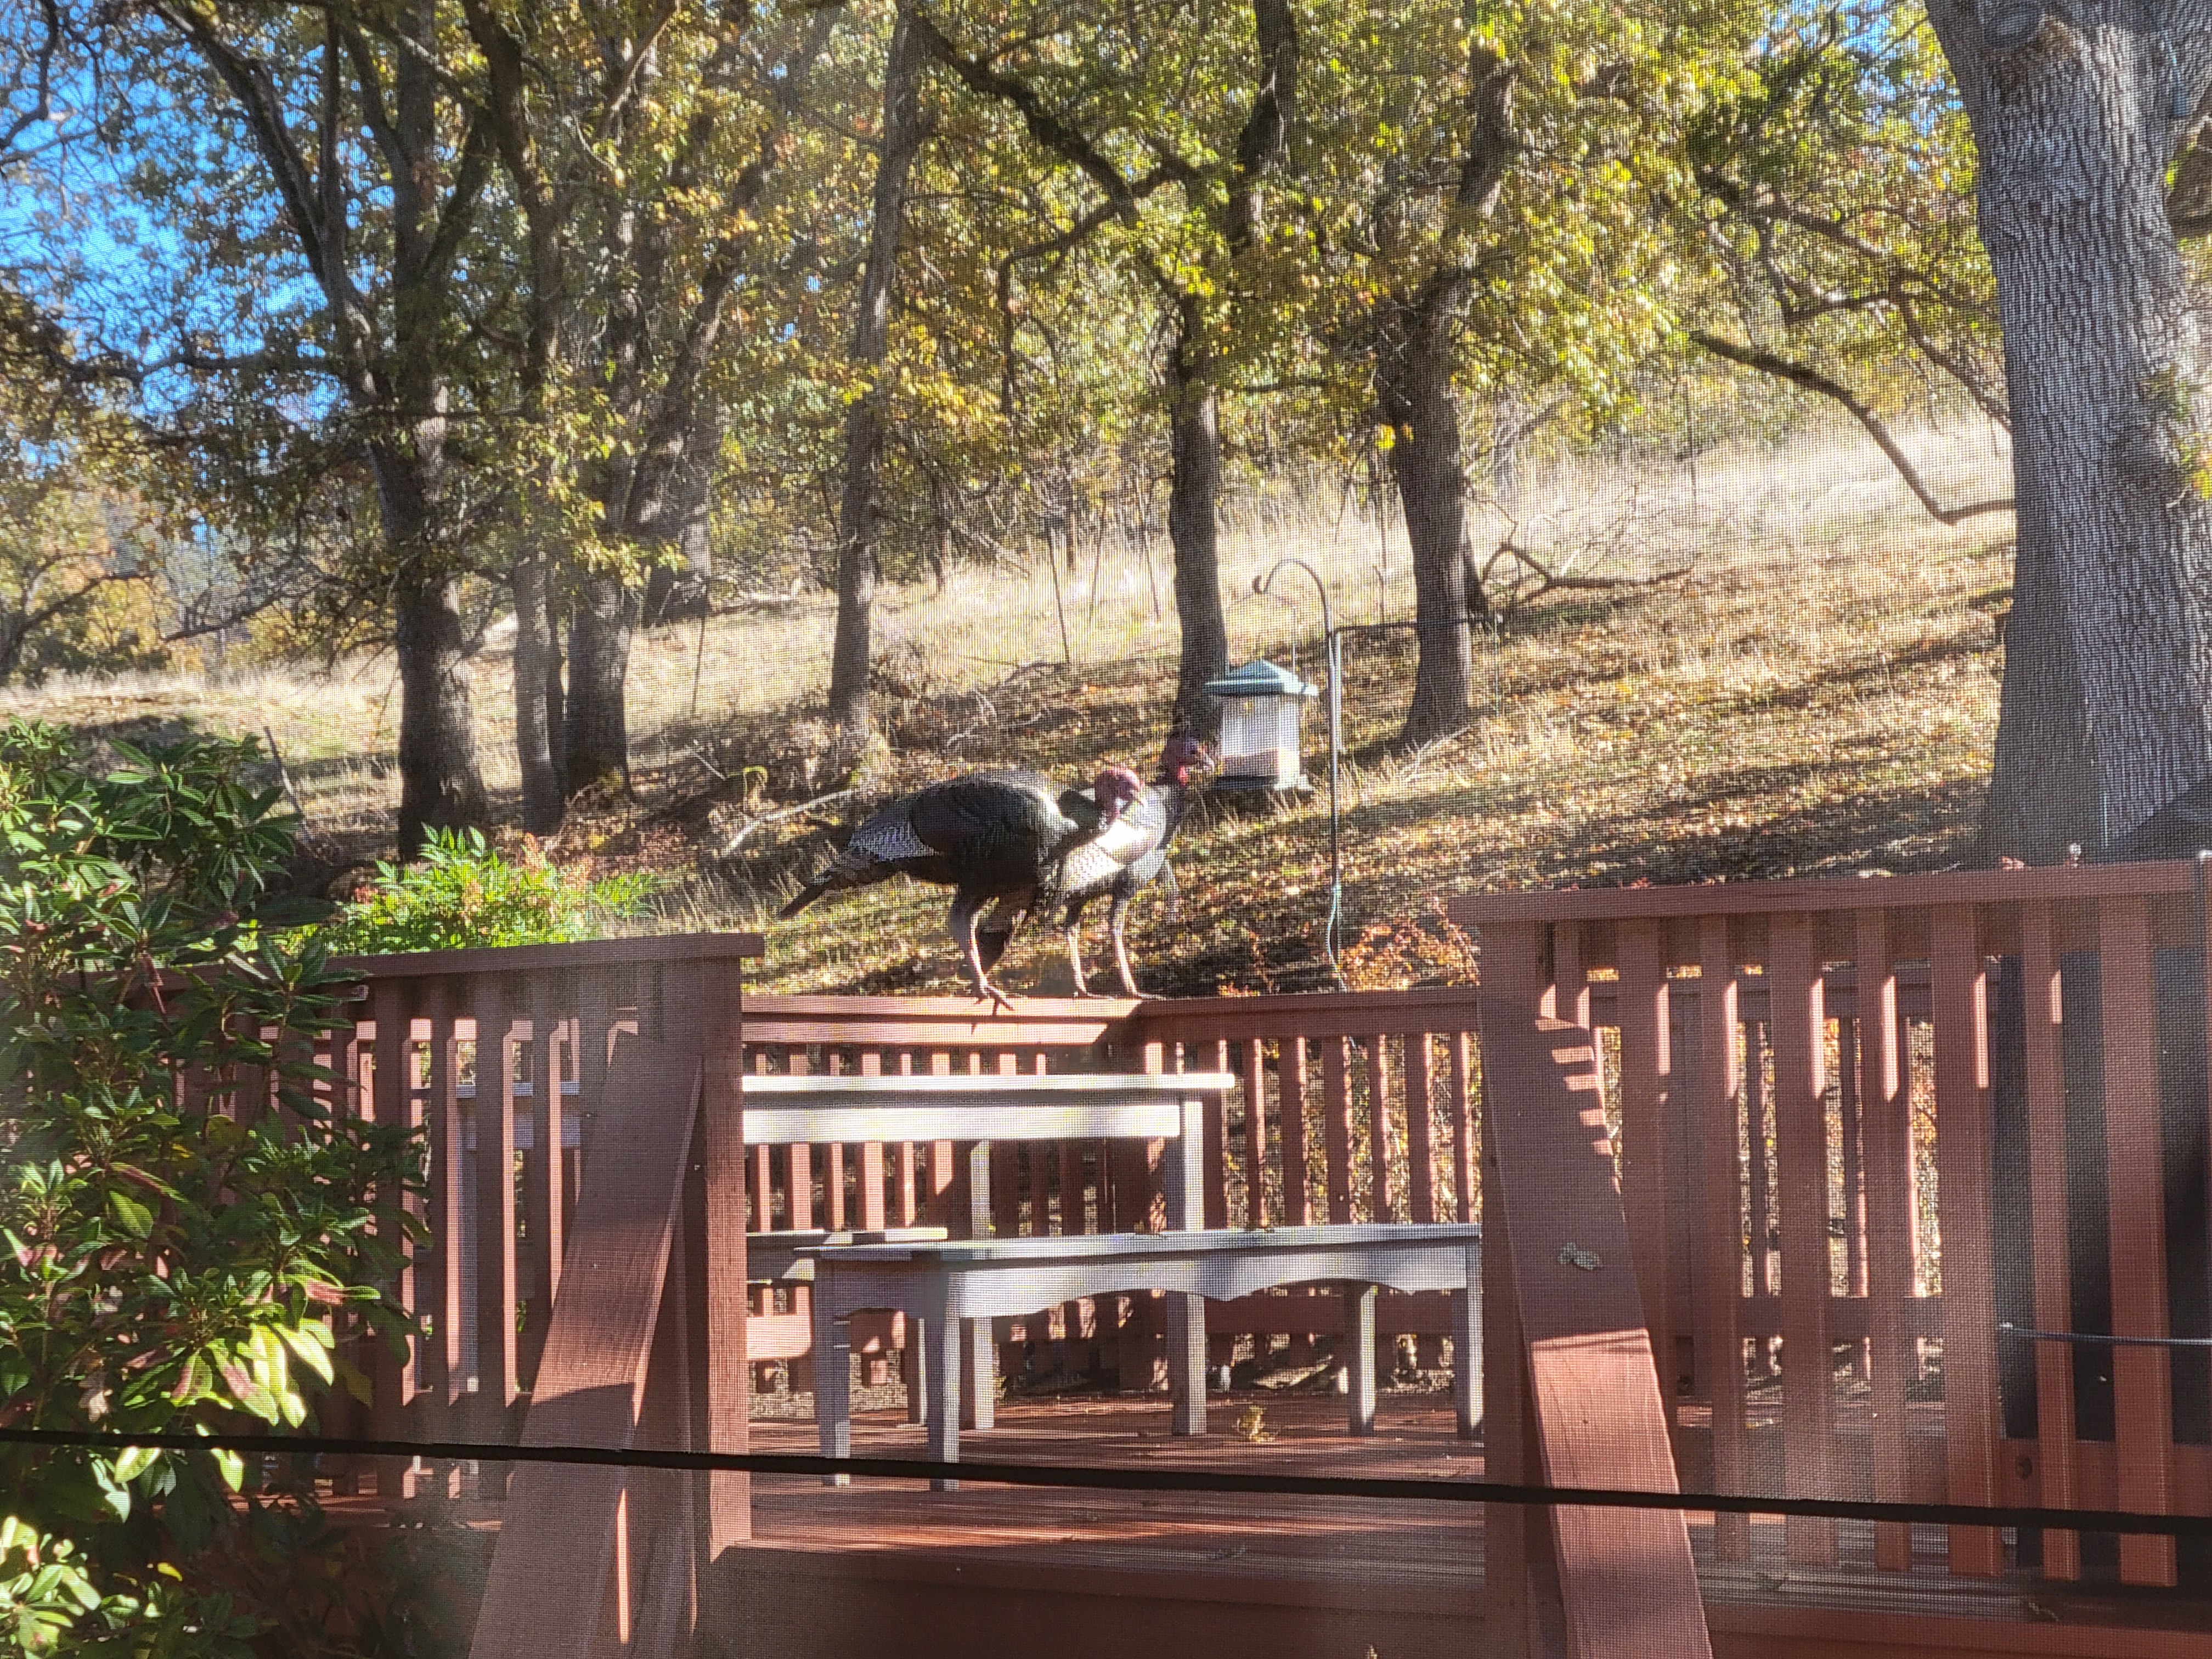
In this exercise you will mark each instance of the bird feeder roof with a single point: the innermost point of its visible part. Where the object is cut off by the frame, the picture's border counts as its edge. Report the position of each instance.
(1261, 679)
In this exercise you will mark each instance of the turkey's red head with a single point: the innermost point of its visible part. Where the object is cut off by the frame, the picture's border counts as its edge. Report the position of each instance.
(1182, 756)
(1114, 788)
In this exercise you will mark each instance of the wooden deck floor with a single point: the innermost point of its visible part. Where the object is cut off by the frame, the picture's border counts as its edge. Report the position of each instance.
(844, 1571)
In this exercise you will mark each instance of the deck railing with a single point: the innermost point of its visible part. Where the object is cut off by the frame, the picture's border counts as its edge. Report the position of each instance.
(1863, 1126)
(500, 1057)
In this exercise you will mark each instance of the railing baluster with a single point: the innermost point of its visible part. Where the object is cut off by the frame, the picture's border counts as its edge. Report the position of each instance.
(1336, 1125)
(1964, 1147)
(499, 1012)
(1759, 1137)
(1721, 1096)
(1646, 1068)
(2142, 1377)
(1214, 1057)
(1253, 1055)
(544, 1183)
(1420, 1126)
(1466, 1132)
(1808, 1397)
(1382, 1179)
(909, 1190)
(1421, 1161)
(2052, 1236)
(1291, 1125)
(1006, 1223)
(1892, 1202)
(390, 1375)
(443, 1375)
(798, 1171)
(1851, 1118)
(871, 1178)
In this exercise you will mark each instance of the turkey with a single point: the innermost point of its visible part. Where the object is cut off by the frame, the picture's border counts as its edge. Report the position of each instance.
(1130, 858)
(996, 838)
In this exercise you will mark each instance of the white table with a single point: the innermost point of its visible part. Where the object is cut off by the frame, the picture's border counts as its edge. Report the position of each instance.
(960, 1284)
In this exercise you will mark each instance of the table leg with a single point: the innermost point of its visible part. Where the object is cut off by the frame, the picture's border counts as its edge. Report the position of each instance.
(833, 1382)
(941, 1354)
(979, 1396)
(1467, 1349)
(1187, 1363)
(1360, 1316)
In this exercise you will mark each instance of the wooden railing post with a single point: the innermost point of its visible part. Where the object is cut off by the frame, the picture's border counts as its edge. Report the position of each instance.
(726, 1508)
(1515, 1539)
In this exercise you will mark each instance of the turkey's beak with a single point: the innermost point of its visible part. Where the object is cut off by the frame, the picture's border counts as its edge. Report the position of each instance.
(1208, 762)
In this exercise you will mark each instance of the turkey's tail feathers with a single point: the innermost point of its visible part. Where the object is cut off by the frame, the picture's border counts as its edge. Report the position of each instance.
(805, 897)
(848, 869)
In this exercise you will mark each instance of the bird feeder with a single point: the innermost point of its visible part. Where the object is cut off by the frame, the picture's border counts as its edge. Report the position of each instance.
(1261, 706)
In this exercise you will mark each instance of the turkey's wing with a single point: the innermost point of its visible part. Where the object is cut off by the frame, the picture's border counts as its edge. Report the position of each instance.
(987, 817)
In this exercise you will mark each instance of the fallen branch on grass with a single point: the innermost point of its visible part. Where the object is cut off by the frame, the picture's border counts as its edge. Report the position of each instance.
(745, 830)
(1550, 580)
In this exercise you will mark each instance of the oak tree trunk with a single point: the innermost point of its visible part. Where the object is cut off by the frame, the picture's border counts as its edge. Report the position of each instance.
(1193, 505)
(597, 727)
(2104, 356)
(1416, 397)
(2043, 785)
(439, 785)
(860, 514)
(681, 510)
(536, 681)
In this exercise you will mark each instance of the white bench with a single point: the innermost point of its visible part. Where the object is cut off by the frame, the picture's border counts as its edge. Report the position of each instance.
(774, 1258)
(784, 1110)
(961, 1285)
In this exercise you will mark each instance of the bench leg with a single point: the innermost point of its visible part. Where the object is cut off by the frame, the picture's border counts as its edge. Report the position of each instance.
(915, 1364)
(1360, 1317)
(979, 1390)
(941, 1355)
(1187, 1363)
(1467, 1350)
(833, 1382)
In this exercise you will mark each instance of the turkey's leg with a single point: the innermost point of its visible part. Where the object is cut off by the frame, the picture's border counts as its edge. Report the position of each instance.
(1072, 925)
(961, 921)
(996, 927)
(1115, 922)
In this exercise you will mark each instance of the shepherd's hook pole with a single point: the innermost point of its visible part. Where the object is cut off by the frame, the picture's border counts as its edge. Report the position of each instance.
(1261, 585)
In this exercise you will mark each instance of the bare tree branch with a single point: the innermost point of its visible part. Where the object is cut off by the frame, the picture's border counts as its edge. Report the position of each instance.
(42, 73)
(1812, 379)
(1045, 127)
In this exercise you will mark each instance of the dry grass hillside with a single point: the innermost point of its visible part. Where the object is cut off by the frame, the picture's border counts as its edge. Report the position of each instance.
(1812, 689)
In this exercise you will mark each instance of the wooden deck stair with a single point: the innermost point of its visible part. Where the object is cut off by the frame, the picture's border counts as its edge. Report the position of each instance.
(1577, 1339)
(561, 1581)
